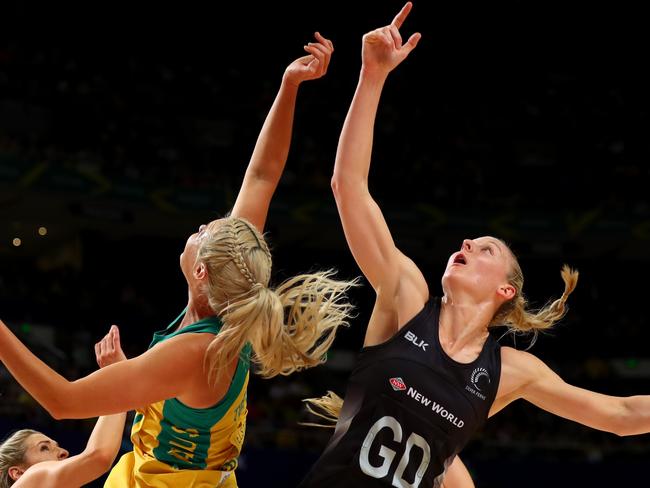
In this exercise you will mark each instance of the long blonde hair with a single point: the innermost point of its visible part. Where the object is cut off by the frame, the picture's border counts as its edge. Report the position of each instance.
(513, 314)
(327, 407)
(290, 327)
(12, 453)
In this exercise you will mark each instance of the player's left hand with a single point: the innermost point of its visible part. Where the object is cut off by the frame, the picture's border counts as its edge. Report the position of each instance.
(109, 350)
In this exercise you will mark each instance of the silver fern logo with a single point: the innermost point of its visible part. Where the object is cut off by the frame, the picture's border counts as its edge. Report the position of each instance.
(477, 374)
(480, 379)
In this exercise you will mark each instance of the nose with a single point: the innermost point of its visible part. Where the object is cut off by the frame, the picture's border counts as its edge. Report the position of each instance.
(202, 228)
(63, 454)
(468, 245)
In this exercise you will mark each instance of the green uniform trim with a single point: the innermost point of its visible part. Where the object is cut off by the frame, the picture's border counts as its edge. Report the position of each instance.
(184, 439)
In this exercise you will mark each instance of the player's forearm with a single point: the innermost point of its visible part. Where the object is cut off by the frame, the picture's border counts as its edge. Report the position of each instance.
(272, 146)
(43, 383)
(355, 143)
(96, 459)
(106, 437)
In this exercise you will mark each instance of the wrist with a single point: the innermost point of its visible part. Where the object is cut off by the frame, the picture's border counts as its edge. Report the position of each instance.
(289, 82)
(372, 76)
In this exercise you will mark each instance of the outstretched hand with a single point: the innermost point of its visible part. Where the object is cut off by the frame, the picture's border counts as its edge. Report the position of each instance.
(312, 66)
(383, 49)
(109, 350)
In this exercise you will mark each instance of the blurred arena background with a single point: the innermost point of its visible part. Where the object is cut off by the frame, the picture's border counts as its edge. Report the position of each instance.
(124, 127)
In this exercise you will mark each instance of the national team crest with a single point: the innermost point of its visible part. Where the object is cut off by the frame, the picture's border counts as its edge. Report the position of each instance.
(480, 378)
(397, 384)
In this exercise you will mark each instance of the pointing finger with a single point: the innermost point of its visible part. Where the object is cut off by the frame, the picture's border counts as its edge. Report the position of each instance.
(401, 16)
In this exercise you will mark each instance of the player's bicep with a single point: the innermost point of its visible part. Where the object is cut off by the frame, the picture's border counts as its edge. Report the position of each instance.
(160, 373)
(550, 392)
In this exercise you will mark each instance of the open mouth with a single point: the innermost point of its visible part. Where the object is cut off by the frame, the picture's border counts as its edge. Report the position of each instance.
(460, 259)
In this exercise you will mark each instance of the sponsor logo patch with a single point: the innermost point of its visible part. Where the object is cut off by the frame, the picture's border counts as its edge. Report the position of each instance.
(397, 384)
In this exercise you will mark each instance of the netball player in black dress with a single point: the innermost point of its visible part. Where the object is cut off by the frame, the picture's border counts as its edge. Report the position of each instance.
(429, 374)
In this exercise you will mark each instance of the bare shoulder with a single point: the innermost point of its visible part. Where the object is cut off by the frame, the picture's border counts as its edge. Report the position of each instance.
(183, 353)
(38, 475)
(515, 357)
(519, 363)
(187, 343)
(518, 370)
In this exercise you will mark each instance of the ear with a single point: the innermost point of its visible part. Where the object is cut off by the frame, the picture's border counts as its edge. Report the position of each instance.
(507, 292)
(15, 472)
(200, 271)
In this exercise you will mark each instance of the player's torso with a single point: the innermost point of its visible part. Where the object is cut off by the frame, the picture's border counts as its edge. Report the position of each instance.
(408, 410)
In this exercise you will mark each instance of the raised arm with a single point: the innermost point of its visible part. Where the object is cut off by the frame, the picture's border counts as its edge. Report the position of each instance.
(165, 371)
(364, 225)
(272, 147)
(529, 378)
(103, 444)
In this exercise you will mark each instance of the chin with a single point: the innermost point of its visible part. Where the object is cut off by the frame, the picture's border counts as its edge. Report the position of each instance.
(453, 279)
(181, 265)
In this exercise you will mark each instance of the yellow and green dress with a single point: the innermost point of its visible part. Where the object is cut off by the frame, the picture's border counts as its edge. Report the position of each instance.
(178, 446)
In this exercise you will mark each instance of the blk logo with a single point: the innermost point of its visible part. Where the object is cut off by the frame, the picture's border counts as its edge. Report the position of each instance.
(397, 384)
(410, 336)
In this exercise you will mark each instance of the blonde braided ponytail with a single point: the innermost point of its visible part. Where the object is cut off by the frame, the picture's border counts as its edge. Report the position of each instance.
(289, 327)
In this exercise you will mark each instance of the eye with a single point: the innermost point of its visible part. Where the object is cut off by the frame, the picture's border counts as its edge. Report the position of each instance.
(45, 447)
(489, 249)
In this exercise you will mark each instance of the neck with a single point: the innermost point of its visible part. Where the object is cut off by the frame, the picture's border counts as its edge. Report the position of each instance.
(197, 309)
(464, 325)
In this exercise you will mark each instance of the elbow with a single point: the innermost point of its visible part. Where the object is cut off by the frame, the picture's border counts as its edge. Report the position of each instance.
(102, 459)
(624, 422)
(625, 428)
(621, 431)
(105, 460)
(62, 407)
(343, 186)
(59, 412)
(336, 186)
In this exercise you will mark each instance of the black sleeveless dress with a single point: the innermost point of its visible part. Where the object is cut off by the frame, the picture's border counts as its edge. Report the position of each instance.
(408, 410)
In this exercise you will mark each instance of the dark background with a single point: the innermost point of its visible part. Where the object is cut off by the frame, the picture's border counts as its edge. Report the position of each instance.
(125, 126)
